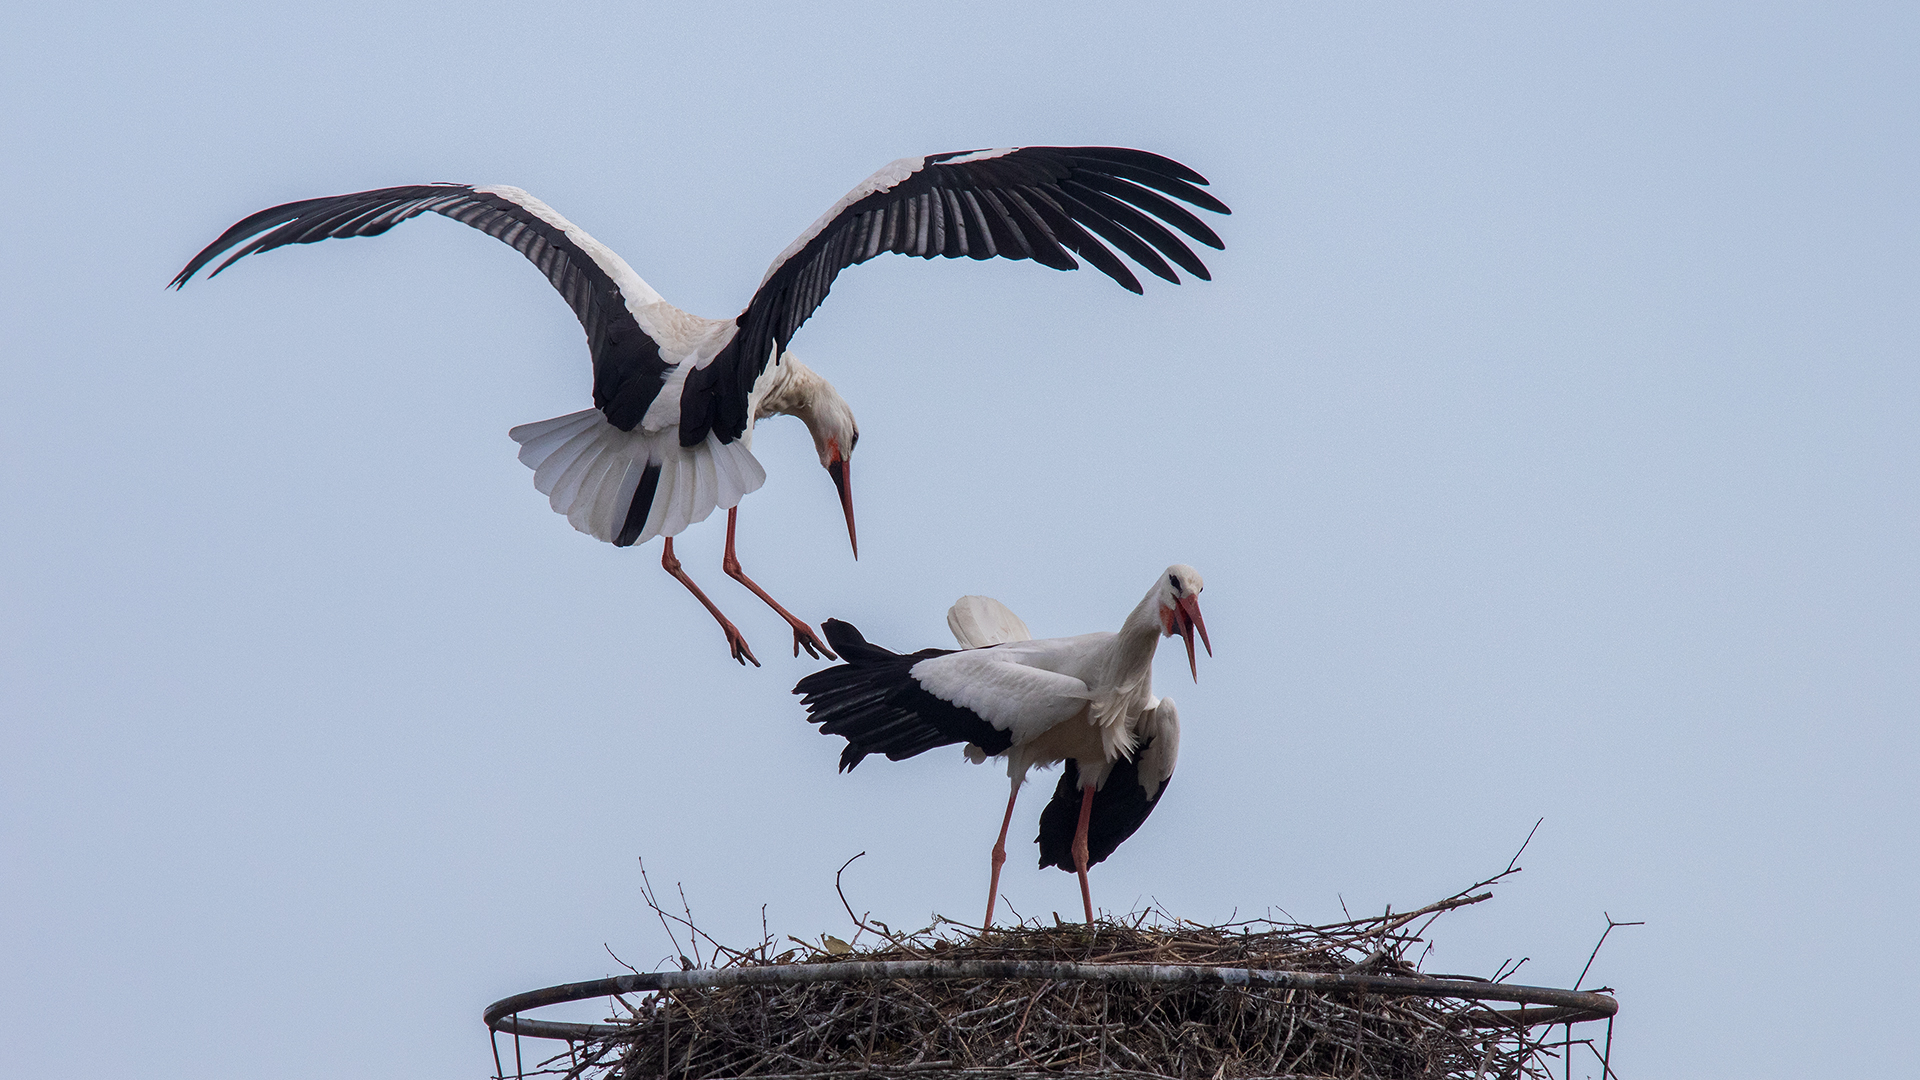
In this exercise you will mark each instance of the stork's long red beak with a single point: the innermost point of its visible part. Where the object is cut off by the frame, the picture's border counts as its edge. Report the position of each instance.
(1183, 618)
(838, 470)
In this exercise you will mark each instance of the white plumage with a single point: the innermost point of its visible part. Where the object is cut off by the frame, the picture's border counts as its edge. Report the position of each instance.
(589, 470)
(1086, 700)
(676, 395)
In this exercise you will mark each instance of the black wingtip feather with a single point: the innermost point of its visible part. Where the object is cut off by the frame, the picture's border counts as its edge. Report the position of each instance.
(1143, 159)
(847, 640)
(1179, 188)
(1014, 208)
(873, 701)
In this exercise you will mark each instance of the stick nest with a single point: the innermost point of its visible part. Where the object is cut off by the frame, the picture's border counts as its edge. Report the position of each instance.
(1033, 1028)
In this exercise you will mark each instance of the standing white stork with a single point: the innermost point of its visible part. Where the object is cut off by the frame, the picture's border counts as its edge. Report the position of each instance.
(676, 395)
(1086, 700)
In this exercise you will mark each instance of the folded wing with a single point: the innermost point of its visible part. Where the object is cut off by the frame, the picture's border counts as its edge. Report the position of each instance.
(1132, 789)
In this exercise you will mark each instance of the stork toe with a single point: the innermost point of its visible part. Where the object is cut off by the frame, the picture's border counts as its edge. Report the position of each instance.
(737, 644)
(805, 638)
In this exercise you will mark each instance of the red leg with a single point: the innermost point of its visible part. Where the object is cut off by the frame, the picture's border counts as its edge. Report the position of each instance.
(803, 634)
(1080, 849)
(999, 857)
(735, 641)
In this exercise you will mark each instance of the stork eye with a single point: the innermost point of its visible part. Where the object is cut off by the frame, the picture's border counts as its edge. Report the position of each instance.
(1175, 582)
(853, 442)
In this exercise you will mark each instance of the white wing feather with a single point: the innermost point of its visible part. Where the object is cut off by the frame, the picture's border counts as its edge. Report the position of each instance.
(1020, 700)
(980, 621)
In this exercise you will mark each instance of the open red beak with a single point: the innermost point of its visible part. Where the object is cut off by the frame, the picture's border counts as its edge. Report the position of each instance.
(1183, 618)
(838, 470)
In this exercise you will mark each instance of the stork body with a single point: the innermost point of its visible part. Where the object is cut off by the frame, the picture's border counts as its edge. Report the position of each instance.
(1086, 700)
(676, 396)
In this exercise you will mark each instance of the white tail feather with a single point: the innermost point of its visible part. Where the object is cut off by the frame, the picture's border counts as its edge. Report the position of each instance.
(542, 438)
(589, 470)
(675, 496)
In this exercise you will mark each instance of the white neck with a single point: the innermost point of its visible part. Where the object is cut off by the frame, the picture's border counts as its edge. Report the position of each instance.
(787, 388)
(1140, 635)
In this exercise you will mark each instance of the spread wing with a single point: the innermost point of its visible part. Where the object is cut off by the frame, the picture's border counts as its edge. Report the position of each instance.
(1045, 203)
(610, 300)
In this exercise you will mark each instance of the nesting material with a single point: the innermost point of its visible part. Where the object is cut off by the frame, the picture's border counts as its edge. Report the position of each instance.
(1019, 1028)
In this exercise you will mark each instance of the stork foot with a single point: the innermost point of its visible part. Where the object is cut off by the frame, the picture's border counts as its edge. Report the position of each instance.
(804, 638)
(736, 641)
(737, 644)
(803, 635)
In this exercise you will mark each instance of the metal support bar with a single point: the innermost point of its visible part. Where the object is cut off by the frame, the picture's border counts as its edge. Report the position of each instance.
(1564, 1006)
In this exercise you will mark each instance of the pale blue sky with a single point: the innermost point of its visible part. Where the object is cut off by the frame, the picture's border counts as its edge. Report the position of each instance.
(1546, 439)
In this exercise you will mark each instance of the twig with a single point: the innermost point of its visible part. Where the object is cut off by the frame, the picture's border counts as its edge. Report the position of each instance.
(860, 921)
(1458, 900)
(688, 908)
(1511, 867)
(617, 960)
(1035, 1000)
(646, 893)
(1603, 940)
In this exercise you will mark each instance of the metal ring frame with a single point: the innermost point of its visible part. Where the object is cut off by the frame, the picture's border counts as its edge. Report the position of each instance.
(1557, 1006)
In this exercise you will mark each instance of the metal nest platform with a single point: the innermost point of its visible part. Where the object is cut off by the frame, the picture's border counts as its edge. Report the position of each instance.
(1553, 1006)
(1149, 997)
(959, 1011)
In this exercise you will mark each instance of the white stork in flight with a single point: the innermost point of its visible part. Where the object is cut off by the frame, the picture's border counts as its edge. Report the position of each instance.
(676, 395)
(1085, 700)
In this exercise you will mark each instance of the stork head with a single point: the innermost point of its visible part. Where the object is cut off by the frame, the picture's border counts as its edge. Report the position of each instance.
(1180, 587)
(835, 433)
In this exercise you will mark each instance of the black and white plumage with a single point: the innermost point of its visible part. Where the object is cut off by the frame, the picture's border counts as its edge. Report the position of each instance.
(1121, 805)
(676, 395)
(1086, 700)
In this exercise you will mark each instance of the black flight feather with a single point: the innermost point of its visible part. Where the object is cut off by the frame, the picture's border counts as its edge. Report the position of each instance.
(1013, 206)
(1044, 203)
(879, 708)
(1120, 807)
(628, 370)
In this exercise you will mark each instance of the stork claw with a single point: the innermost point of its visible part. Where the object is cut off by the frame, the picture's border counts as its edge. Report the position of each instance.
(805, 638)
(737, 644)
